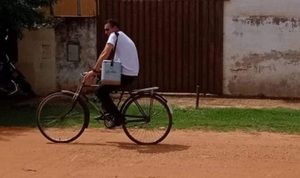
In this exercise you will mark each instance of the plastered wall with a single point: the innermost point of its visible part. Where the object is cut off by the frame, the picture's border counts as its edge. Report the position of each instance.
(37, 60)
(48, 61)
(79, 32)
(262, 48)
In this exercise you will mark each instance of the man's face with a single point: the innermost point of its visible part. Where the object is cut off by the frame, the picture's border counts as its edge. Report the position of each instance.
(108, 29)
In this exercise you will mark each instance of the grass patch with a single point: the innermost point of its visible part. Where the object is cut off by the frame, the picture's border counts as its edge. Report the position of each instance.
(18, 116)
(245, 119)
(216, 119)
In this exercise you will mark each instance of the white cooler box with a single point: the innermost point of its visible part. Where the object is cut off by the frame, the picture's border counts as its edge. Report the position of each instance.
(111, 74)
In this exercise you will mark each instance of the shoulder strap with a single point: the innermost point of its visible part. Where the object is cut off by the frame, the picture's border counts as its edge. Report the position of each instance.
(114, 50)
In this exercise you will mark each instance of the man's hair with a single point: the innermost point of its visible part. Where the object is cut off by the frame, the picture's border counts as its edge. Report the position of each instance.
(113, 23)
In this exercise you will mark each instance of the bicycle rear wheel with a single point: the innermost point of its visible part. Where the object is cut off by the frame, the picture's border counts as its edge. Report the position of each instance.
(148, 119)
(61, 119)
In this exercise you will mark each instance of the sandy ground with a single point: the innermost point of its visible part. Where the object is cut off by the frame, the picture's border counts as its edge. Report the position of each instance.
(110, 154)
(233, 102)
(98, 153)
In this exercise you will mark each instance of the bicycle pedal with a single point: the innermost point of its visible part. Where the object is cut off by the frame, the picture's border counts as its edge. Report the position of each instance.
(109, 121)
(99, 118)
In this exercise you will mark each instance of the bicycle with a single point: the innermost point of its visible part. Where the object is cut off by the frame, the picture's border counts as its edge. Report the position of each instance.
(12, 80)
(64, 115)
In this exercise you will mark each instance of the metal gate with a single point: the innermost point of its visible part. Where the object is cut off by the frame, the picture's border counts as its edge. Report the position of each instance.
(180, 42)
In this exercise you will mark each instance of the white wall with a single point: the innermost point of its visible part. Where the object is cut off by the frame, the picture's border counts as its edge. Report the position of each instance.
(262, 48)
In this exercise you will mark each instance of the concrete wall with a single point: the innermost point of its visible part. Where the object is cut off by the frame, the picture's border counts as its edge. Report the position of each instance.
(36, 60)
(48, 63)
(262, 48)
(75, 31)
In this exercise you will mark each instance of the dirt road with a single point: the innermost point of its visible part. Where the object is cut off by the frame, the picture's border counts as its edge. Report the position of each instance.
(184, 154)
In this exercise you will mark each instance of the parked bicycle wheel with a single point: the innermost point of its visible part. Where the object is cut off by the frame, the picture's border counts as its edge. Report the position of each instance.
(62, 119)
(148, 118)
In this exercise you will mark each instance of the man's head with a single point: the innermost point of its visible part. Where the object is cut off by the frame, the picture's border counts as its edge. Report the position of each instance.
(111, 26)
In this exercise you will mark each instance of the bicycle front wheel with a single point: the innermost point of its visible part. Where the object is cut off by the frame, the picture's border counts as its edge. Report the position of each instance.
(62, 119)
(148, 119)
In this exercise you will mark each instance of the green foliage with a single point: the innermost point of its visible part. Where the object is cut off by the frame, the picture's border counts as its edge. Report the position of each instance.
(18, 14)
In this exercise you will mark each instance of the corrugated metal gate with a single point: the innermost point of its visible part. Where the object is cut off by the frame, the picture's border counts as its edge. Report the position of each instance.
(180, 42)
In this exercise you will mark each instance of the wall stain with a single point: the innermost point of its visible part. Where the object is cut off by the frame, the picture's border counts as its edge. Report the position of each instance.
(83, 32)
(243, 63)
(269, 74)
(263, 20)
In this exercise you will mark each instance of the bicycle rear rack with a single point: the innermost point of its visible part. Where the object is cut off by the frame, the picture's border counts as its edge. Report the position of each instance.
(145, 89)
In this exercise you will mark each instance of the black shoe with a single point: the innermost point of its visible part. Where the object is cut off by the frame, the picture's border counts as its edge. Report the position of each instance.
(99, 118)
(113, 125)
(118, 121)
(109, 121)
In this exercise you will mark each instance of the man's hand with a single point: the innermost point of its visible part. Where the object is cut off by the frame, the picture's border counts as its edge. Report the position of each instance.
(89, 76)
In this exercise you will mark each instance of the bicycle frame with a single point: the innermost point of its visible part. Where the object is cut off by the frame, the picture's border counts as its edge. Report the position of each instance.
(135, 93)
(139, 109)
(14, 90)
(78, 94)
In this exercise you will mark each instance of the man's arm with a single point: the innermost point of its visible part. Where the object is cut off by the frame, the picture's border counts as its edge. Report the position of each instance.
(97, 68)
(104, 55)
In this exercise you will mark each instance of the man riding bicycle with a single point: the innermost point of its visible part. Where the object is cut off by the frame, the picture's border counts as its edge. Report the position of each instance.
(126, 53)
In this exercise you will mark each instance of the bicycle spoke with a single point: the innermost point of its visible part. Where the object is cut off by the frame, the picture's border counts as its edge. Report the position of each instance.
(157, 119)
(61, 118)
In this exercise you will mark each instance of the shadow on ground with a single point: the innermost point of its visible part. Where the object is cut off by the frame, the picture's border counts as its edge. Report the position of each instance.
(18, 112)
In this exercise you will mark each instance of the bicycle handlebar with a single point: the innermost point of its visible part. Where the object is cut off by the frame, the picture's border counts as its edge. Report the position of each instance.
(83, 74)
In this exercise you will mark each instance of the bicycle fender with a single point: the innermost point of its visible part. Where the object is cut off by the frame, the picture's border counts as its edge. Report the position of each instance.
(155, 94)
(166, 101)
(68, 92)
(81, 96)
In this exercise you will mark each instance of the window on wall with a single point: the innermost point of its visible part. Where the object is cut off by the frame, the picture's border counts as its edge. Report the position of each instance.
(73, 51)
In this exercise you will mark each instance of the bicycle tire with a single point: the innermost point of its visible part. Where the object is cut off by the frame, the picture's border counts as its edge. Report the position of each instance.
(156, 109)
(58, 121)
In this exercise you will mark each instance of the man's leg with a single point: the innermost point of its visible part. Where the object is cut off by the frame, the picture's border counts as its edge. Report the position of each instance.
(108, 105)
(127, 80)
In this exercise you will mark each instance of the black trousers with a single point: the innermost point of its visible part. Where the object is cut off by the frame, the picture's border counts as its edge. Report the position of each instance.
(102, 92)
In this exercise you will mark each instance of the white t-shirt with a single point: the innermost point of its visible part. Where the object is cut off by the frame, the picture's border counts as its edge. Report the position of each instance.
(126, 52)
